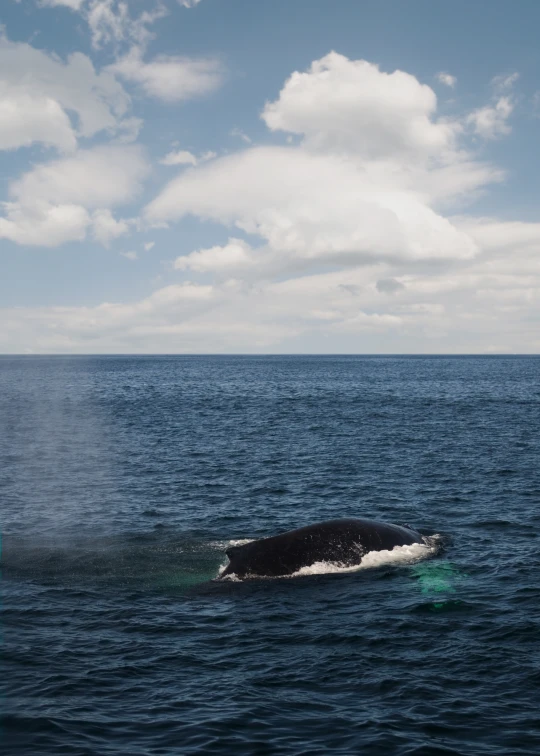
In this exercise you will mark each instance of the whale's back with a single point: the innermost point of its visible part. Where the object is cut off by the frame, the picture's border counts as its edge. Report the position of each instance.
(341, 541)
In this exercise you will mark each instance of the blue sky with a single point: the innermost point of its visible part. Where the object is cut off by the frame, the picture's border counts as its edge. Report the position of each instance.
(285, 176)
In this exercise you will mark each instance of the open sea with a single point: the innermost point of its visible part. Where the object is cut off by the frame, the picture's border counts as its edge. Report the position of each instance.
(124, 479)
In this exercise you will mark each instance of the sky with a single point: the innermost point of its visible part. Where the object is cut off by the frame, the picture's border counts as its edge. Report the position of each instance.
(269, 176)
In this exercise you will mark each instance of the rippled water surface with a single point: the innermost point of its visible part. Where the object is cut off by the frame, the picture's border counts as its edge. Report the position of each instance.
(123, 480)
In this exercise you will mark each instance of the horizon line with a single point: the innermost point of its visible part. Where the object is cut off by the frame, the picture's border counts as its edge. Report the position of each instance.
(269, 354)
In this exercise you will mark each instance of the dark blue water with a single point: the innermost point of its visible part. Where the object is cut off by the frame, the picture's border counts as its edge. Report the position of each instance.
(122, 482)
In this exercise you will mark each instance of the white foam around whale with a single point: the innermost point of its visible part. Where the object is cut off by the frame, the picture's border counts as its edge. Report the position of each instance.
(398, 555)
(224, 545)
(240, 542)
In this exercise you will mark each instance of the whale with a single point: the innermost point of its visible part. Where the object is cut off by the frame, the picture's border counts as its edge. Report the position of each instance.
(344, 542)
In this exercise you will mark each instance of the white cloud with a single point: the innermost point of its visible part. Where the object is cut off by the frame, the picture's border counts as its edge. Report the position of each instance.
(130, 255)
(351, 106)
(170, 78)
(505, 82)
(372, 172)
(110, 21)
(234, 256)
(98, 177)
(360, 196)
(128, 130)
(158, 316)
(149, 245)
(492, 234)
(26, 118)
(183, 157)
(180, 157)
(49, 204)
(43, 224)
(490, 122)
(327, 208)
(73, 4)
(189, 3)
(38, 92)
(447, 79)
(106, 228)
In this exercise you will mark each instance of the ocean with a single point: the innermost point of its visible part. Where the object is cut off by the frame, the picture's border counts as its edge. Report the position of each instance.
(123, 480)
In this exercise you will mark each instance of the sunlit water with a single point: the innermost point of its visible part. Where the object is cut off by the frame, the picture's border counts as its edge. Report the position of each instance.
(124, 480)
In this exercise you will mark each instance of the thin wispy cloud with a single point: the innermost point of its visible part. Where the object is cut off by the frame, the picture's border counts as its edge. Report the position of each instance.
(447, 79)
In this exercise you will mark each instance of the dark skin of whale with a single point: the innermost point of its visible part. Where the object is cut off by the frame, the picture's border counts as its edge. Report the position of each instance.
(341, 541)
